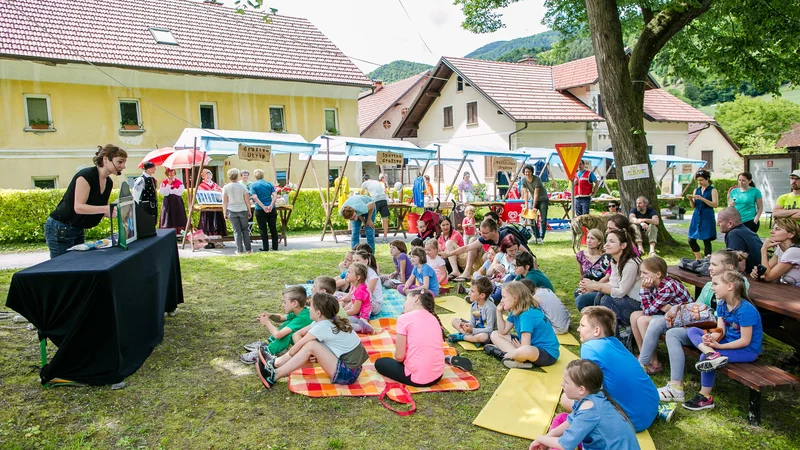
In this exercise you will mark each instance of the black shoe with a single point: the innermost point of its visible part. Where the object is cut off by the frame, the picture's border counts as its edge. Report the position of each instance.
(210, 245)
(460, 362)
(263, 249)
(492, 350)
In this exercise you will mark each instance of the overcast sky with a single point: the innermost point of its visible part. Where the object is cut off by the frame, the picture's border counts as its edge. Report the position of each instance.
(379, 31)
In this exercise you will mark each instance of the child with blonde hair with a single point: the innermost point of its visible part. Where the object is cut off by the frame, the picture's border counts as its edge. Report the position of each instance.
(435, 261)
(358, 305)
(468, 225)
(535, 342)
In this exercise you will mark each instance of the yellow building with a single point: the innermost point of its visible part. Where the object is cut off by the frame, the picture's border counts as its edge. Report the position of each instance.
(136, 73)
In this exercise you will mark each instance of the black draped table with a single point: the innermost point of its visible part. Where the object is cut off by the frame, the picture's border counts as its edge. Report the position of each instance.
(104, 309)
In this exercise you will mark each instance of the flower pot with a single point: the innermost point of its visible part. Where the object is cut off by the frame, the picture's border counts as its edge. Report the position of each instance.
(131, 127)
(40, 126)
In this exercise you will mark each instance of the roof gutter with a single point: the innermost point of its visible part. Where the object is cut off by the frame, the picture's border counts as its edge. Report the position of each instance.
(515, 132)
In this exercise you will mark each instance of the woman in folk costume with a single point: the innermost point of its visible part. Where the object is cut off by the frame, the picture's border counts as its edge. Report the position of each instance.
(173, 210)
(211, 222)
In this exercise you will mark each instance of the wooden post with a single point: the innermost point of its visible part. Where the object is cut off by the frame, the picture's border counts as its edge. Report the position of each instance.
(439, 170)
(572, 190)
(328, 220)
(193, 194)
(302, 177)
(458, 172)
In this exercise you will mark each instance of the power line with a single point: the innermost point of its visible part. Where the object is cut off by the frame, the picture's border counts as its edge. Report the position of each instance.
(415, 27)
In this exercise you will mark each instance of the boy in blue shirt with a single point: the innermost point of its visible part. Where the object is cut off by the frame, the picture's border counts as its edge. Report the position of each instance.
(624, 379)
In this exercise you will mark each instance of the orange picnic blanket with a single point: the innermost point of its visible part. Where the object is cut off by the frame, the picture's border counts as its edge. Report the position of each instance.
(312, 381)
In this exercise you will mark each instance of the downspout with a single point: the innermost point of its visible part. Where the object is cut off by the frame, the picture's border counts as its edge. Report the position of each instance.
(515, 132)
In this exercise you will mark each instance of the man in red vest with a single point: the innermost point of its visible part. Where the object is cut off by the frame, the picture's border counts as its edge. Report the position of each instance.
(586, 183)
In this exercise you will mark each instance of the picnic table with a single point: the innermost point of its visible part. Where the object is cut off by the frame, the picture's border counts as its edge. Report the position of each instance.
(780, 298)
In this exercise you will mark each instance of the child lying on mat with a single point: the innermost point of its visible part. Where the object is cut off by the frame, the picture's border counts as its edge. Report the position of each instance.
(331, 341)
(551, 305)
(419, 356)
(294, 318)
(482, 318)
(535, 342)
(596, 421)
(358, 304)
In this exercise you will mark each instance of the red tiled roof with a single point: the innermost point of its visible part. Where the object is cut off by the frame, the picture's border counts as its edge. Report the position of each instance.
(212, 39)
(790, 138)
(661, 106)
(575, 73)
(694, 131)
(371, 107)
(524, 91)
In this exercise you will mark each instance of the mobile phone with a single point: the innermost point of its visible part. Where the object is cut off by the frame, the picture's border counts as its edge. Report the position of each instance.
(761, 270)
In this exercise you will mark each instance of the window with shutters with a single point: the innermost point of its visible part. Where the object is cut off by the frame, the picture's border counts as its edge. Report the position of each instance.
(708, 157)
(472, 113)
(37, 112)
(447, 119)
(438, 172)
(488, 168)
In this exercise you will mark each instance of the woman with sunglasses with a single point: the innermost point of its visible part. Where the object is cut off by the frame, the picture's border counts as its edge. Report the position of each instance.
(612, 208)
(703, 226)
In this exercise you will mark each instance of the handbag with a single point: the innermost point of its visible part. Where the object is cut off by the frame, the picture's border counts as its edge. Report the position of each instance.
(696, 315)
(399, 393)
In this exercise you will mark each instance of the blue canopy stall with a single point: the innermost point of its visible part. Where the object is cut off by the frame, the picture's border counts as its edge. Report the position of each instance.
(227, 142)
(468, 152)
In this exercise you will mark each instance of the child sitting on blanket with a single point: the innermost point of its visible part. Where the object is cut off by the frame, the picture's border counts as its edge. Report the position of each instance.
(295, 317)
(423, 275)
(551, 305)
(596, 421)
(624, 380)
(419, 356)
(373, 280)
(436, 261)
(482, 318)
(341, 284)
(535, 342)
(402, 265)
(330, 340)
(358, 304)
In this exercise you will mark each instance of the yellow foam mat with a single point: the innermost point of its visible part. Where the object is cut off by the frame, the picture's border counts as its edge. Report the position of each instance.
(567, 339)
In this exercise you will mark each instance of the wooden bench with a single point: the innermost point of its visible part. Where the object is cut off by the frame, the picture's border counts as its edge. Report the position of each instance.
(757, 376)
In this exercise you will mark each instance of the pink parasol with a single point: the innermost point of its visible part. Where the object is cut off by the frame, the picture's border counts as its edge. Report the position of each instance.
(182, 159)
(157, 157)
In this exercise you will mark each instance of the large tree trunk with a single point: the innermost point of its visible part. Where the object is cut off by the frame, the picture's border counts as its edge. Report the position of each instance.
(623, 103)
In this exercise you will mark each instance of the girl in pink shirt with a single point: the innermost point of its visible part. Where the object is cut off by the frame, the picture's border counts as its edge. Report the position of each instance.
(468, 225)
(419, 355)
(436, 261)
(359, 305)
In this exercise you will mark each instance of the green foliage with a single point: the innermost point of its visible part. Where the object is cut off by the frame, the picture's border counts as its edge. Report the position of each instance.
(755, 117)
(520, 53)
(759, 145)
(397, 70)
(495, 50)
(566, 50)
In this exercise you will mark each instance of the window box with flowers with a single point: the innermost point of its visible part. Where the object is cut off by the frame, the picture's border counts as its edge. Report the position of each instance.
(39, 124)
(132, 126)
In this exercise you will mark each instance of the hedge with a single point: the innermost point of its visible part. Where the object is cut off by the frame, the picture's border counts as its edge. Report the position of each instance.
(23, 213)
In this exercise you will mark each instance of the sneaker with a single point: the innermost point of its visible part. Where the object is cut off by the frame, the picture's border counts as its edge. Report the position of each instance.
(699, 402)
(492, 350)
(266, 373)
(514, 364)
(712, 362)
(460, 362)
(253, 346)
(249, 357)
(455, 337)
(366, 327)
(671, 393)
(264, 355)
(666, 410)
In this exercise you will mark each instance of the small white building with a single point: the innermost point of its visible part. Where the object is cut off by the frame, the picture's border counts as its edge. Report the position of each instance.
(710, 143)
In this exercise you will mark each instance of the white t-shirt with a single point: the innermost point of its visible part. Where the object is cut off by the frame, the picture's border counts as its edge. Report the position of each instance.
(375, 189)
(439, 266)
(235, 193)
(790, 256)
(338, 343)
(376, 295)
(554, 310)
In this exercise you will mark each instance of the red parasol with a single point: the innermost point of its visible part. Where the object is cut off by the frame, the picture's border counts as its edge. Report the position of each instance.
(182, 159)
(157, 157)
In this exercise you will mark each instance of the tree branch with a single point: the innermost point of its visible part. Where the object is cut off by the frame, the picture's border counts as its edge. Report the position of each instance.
(647, 13)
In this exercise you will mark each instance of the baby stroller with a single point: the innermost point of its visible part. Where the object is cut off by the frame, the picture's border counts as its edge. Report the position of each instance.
(431, 219)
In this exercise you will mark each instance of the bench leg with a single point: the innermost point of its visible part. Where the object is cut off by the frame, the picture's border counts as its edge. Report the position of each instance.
(754, 410)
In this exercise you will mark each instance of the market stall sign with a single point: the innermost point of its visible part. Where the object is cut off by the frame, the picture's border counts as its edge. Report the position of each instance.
(505, 165)
(255, 152)
(389, 158)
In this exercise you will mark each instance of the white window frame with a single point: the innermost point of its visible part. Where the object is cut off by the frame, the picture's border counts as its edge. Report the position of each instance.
(324, 114)
(138, 114)
(466, 111)
(213, 105)
(283, 116)
(453, 112)
(25, 98)
(666, 149)
(163, 36)
(39, 178)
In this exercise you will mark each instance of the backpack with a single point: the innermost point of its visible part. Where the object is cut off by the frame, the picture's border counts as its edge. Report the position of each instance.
(692, 265)
(418, 192)
(695, 315)
(522, 234)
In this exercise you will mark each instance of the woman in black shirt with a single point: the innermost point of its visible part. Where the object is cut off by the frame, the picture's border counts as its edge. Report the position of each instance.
(85, 202)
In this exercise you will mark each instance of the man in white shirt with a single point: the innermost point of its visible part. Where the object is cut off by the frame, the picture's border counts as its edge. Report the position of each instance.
(376, 190)
(144, 189)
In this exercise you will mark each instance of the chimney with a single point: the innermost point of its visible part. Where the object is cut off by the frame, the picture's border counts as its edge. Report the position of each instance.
(527, 60)
(377, 85)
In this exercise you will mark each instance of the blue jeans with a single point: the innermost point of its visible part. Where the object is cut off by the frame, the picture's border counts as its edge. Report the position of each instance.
(58, 245)
(355, 237)
(582, 205)
(584, 300)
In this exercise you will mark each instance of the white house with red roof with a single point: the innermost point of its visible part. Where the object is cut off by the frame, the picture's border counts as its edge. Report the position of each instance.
(381, 109)
(135, 73)
(710, 143)
(474, 103)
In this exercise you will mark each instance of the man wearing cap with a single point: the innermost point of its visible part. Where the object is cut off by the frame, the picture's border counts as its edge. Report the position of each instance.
(788, 205)
(376, 190)
(144, 189)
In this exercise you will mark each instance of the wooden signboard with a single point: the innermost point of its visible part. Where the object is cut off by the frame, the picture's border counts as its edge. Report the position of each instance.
(504, 165)
(389, 158)
(255, 152)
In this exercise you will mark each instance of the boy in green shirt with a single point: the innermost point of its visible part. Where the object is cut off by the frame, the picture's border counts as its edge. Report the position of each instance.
(295, 318)
(524, 269)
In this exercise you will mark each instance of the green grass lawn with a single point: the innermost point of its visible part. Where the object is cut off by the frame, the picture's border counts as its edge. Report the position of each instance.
(183, 397)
